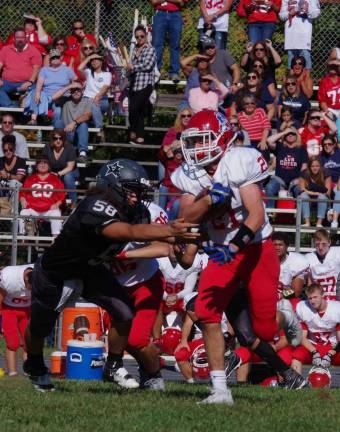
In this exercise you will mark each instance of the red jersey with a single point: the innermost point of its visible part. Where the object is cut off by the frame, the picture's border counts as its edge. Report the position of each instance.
(73, 44)
(329, 92)
(42, 198)
(312, 140)
(261, 12)
(32, 38)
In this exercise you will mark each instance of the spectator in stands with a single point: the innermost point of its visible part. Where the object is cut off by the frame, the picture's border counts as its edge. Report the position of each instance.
(255, 122)
(51, 79)
(192, 66)
(298, 18)
(268, 81)
(315, 183)
(20, 64)
(77, 37)
(62, 160)
(262, 17)
(215, 15)
(76, 113)
(168, 21)
(12, 172)
(334, 54)
(203, 97)
(253, 85)
(87, 47)
(262, 51)
(35, 34)
(330, 159)
(242, 135)
(286, 119)
(292, 97)
(60, 44)
(97, 85)
(329, 90)
(7, 128)
(142, 78)
(291, 159)
(317, 126)
(299, 71)
(171, 157)
(42, 200)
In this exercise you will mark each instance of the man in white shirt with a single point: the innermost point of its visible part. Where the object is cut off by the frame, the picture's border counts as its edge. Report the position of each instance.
(7, 128)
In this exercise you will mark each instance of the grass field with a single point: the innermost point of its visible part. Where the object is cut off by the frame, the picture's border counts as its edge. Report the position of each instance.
(94, 406)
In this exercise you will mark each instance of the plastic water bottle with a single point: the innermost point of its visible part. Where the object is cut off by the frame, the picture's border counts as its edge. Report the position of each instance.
(39, 135)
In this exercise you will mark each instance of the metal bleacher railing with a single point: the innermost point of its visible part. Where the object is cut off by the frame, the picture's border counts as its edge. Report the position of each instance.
(25, 244)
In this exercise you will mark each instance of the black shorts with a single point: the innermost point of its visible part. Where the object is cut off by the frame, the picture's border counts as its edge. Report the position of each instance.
(100, 287)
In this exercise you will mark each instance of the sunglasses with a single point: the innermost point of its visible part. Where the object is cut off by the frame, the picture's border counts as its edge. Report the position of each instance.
(8, 150)
(290, 84)
(55, 57)
(57, 138)
(210, 47)
(259, 49)
(204, 80)
(249, 103)
(140, 37)
(315, 118)
(258, 66)
(59, 44)
(185, 115)
(251, 77)
(328, 144)
(78, 28)
(233, 124)
(85, 48)
(7, 122)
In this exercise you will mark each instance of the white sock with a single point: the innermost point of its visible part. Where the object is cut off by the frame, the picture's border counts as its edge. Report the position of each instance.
(218, 381)
(190, 381)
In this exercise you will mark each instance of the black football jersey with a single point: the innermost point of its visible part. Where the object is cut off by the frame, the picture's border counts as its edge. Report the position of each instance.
(81, 243)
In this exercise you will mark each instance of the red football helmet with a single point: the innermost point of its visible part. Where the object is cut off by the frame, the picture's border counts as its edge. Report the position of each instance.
(199, 362)
(319, 377)
(170, 338)
(207, 136)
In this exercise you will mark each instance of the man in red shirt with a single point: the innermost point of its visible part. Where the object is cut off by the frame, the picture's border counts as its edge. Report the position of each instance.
(42, 200)
(329, 89)
(20, 64)
(78, 35)
(168, 20)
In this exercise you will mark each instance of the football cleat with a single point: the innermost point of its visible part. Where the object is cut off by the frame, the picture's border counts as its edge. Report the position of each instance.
(151, 382)
(293, 380)
(120, 376)
(42, 383)
(292, 326)
(233, 362)
(217, 397)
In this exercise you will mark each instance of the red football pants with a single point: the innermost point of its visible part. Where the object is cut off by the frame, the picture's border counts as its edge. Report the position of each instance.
(258, 267)
(305, 357)
(147, 298)
(246, 355)
(14, 322)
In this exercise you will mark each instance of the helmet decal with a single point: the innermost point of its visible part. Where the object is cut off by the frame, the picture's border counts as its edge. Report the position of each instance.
(113, 169)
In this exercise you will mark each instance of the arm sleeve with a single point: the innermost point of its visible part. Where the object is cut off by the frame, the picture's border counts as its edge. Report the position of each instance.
(189, 285)
(314, 9)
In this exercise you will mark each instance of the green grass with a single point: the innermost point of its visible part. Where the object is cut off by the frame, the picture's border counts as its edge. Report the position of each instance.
(95, 406)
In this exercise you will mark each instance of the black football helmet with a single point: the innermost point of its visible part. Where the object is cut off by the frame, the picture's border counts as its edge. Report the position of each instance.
(121, 176)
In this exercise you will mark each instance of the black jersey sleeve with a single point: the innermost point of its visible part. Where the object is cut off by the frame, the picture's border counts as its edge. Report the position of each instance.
(98, 213)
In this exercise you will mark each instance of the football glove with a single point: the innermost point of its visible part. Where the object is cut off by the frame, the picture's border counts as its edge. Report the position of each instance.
(220, 195)
(326, 360)
(316, 358)
(219, 254)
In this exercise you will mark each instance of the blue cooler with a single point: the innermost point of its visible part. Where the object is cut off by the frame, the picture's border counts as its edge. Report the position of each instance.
(85, 360)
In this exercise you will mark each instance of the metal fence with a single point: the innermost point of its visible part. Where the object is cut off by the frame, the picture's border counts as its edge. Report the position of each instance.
(57, 16)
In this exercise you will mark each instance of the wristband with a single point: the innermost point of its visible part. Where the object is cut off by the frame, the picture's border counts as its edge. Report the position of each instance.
(121, 256)
(243, 236)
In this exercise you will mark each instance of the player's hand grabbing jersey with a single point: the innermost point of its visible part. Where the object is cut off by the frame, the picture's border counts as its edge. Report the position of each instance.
(325, 273)
(81, 243)
(12, 281)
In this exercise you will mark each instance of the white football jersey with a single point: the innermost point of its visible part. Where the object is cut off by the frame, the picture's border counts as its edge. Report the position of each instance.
(321, 329)
(178, 280)
(325, 273)
(240, 166)
(295, 265)
(12, 281)
(131, 272)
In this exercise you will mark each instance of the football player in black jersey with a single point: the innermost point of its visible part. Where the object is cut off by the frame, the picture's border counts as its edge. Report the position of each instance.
(110, 216)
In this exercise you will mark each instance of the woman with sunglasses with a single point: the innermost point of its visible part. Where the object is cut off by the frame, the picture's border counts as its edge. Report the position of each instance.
(62, 160)
(292, 97)
(255, 122)
(170, 157)
(291, 159)
(253, 85)
(242, 139)
(262, 50)
(60, 44)
(87, 47)
(302, 76)
(210, 93)
(142, 80)
(330, 159)
(315, 183)
(316, 127)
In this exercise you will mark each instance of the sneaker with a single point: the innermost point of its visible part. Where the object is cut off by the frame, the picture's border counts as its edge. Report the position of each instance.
(154, 382)
(42, 383)
(175, 78)
(233, 362)
(82, 157)
(217, 397)
(292, 326)
(293, 380)
(120, 376)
